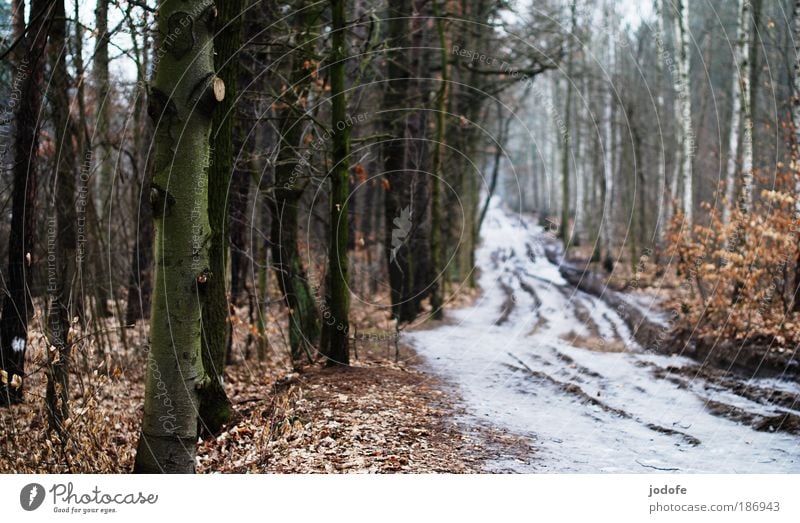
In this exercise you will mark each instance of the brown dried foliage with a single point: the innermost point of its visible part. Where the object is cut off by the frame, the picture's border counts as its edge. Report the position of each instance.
(738, 277)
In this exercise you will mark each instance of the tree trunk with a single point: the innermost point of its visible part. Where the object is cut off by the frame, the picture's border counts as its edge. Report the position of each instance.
(291, 180)
(747, 117)
(238, 219)
(402, 212)
(104, 188)
(183, 95)
(740, 113)
(755, 36)
(261, 265)
(684, 94)
(608, 160)
(17, 305)
(61, 231)
(338, 350)
(140, 284)
(437, 173)
(102, 86)
(796, 101)
(500, 140)
(83, 151)
(565, 199)
(215, 408)
(579, 225)
(664, 205)
(796, 137)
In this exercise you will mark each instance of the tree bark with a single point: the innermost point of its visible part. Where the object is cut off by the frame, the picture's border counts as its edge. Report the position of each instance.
(183, 95)
(238, 219)
(503, 125)
(740, 114)
(61, 231)
(684, 95)
(747, 117)
(796, 137)
(290, 184)
(565, 196)
(437, 173)
(608, 160)
(402, 212)
(140, 286)
(104, 188)
(664, 205)
(338, 350)
(102, 86)
(215, 408)
(17, 305)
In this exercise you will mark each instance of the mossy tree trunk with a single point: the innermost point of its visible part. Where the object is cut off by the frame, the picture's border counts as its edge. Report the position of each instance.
(290, 183)
(215, 408)
(338, 350)
(183, 96)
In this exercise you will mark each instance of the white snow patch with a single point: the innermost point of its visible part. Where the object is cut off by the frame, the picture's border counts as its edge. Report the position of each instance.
(569, 433)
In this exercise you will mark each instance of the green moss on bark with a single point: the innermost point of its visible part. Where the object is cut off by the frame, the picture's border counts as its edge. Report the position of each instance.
(182, 97)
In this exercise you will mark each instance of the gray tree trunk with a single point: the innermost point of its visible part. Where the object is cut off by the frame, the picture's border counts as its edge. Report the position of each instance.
(183, 95)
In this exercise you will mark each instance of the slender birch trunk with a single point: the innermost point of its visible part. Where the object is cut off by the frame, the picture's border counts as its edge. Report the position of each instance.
(796, 138)
(796, 103)
(661, 53)
(565, 199)
(684, 99)
(745, 49)
(740, 114)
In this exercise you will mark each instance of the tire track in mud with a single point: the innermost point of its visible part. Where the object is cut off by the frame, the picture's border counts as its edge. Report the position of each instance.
(577, 391)
(543, 359)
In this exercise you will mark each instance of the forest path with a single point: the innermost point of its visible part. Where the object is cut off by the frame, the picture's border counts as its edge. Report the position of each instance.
(544, 361)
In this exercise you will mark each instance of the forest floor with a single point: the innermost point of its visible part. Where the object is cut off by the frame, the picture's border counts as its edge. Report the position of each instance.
(562, 367)
(384, 414)
(537, 372)
(375, 416)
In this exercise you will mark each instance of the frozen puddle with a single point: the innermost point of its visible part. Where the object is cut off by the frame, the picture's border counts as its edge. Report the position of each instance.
(519, 359)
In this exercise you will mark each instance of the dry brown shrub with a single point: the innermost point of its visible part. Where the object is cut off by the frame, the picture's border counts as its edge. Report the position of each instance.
(739, 276)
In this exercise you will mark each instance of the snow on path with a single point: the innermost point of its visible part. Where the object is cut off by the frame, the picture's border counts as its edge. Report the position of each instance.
(585, 410)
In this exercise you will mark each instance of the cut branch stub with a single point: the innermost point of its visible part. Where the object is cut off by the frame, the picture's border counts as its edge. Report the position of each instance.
(208, 92)
(210, 16)
(218, 87)
(160, 105)
(161, 201)
(179, 39)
